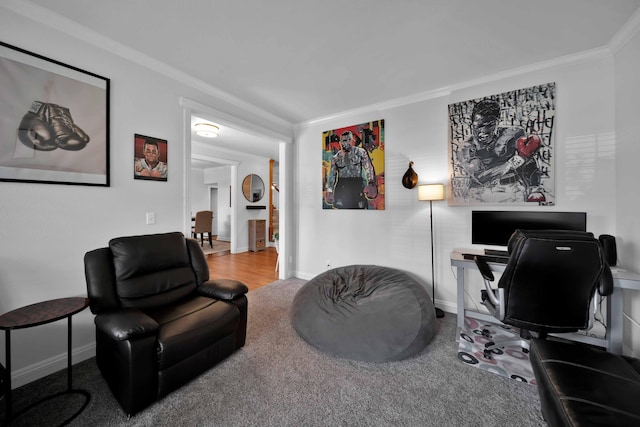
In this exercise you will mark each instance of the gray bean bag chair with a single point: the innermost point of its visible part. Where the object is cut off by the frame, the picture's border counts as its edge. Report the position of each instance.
(364, 312)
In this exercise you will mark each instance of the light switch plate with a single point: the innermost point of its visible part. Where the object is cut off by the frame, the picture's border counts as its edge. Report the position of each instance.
(151, 218)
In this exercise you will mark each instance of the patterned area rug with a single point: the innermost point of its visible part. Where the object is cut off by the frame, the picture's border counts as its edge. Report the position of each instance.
(511, 361)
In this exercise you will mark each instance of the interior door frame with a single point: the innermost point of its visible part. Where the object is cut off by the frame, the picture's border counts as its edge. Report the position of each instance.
(190, 108)
(213, 205)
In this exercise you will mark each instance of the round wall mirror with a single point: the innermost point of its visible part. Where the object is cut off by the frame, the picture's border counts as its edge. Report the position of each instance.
(253, 188)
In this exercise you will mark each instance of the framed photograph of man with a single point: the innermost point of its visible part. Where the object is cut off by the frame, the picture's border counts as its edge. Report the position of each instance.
(150, 158)
(353, 167)
(54, 121)
(501, 148)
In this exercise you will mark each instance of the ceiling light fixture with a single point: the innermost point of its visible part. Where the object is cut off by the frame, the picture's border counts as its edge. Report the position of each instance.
(207, 130)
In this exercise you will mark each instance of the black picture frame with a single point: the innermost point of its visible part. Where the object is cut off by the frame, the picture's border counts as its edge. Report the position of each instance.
(54, 121)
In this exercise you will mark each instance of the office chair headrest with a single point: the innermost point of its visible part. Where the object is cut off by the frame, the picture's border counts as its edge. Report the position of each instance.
(605, 285)
(518, 235)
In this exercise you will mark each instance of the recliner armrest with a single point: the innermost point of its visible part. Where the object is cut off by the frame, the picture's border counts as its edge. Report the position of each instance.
(126, 324)
(225, 289)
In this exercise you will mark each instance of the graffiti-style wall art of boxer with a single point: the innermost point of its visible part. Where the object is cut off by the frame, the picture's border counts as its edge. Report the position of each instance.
(353, 167)
(54, 121)
(501, 148)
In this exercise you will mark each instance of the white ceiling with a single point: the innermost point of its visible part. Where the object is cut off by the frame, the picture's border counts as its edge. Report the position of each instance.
(306, 59)
(302, 60)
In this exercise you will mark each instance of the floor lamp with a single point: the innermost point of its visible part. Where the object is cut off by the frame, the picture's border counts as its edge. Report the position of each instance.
(431, 192)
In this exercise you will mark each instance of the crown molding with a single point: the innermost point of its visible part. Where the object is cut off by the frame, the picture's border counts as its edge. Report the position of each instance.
(380, 106)
(562, 61)
(222, 161)
(227, 119)
(589, 55)
(60, 23)
(626, 33)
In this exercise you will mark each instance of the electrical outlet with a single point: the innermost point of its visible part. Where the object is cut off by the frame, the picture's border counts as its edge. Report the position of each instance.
(151, 218)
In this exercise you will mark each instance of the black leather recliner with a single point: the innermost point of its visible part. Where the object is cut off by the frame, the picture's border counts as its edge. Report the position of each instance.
(160, 321)
(581, 385)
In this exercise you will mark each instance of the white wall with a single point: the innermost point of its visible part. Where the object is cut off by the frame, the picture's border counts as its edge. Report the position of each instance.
(627, 235)
(260, 167)
(199, 192)
(47, 229)
(399, 236)
(222, 177)
(246, 164)
(201, 196)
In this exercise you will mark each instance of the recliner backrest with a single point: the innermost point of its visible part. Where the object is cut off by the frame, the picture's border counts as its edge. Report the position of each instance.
(152, 270)
(550, 279)
(145, 264)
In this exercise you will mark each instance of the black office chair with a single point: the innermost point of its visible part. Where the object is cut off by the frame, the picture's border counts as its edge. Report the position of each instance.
(549, 284)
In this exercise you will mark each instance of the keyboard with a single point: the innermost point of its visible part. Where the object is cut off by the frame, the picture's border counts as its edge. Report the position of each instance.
(496, 258)
(499, 259)
(496, 252)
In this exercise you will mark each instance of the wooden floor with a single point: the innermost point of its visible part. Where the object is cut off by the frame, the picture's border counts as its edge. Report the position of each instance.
(254, 269)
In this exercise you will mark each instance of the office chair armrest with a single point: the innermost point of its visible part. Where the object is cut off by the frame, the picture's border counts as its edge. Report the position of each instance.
(605, 287)
(488, 277)
(484, 268)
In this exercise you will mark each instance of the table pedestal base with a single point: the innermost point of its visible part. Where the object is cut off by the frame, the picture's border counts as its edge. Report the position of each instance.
(84, 393)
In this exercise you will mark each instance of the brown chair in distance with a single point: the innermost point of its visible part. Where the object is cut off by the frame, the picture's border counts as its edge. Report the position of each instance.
(204, 224)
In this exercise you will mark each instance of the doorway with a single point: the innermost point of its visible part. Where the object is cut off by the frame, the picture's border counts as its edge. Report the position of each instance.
(225, 154)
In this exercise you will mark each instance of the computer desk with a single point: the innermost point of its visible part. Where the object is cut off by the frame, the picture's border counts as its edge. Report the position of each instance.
(622, 279)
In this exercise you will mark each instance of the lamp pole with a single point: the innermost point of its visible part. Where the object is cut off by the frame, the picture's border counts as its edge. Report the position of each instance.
(431, 192)
(439, 312)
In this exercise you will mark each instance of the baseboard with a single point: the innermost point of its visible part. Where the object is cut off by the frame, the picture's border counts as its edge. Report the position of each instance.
(304, 276)
(51, 365)
(447, 306)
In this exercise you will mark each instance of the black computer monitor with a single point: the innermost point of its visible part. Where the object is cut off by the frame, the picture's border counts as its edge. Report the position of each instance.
(496, 227)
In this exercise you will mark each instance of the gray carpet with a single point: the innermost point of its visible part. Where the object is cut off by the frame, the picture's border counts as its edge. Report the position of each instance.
(277, 379)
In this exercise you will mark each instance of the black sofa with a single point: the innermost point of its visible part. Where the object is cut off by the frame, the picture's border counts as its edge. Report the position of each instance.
(580, 385)
(160, 321)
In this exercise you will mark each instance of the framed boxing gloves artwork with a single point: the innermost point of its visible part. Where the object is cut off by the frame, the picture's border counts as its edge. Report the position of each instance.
(501, 148)
(353, 167)
(54, 121)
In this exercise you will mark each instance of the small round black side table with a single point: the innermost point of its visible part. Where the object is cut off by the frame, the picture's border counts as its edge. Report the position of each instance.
(34, 315)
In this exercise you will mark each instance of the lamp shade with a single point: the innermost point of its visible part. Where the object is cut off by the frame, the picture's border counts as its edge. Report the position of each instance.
(428, 192)
(207, 130)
